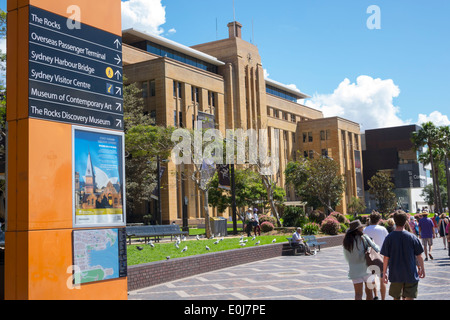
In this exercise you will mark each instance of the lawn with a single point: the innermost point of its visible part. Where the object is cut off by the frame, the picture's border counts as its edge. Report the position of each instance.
(194, 247)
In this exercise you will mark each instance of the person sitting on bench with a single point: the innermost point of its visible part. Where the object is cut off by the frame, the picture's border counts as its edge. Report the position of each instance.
(298, 241)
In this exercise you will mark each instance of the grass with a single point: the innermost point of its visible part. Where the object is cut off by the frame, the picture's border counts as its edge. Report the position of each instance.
(195, 247)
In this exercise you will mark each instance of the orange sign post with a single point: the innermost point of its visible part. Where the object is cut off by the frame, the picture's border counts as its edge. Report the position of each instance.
(60, 57)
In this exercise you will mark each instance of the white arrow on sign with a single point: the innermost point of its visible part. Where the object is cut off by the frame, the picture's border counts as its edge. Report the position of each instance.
(118, 90)
(118, 123)
(118, 59)
(118, 74)
(117, 43)
(118, 106)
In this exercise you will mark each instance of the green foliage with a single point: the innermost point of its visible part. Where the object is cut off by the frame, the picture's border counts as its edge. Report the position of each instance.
(317, 181)
(144, 144)
(317, 216)
(294, 217)
(330, 226)
(356, 206)
(381, 190)
(266, 226)
(310, 228)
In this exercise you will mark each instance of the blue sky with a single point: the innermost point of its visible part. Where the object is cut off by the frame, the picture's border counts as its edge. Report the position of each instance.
(382, 77)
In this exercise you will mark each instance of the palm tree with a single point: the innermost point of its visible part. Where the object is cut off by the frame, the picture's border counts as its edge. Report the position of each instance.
(428, 136)
(444, 144)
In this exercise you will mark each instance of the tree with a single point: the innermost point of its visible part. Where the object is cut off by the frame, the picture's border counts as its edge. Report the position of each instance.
(444, 145)
(356, 206)
(428, 194)
(144, 144)
(381, 190)
(317, 181)
(428, 136)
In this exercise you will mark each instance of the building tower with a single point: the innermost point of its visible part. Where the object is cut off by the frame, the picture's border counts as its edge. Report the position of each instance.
(89, 178)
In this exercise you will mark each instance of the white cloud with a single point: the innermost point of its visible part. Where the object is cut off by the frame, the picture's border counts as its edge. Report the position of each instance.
(368, 102)
(436, 117)
(144, 15)
(172, 31)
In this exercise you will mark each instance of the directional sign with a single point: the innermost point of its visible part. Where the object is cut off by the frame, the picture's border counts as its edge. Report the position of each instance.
(75, 75)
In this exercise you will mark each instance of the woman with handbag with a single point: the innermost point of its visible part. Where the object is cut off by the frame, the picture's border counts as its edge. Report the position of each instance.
(355, 254)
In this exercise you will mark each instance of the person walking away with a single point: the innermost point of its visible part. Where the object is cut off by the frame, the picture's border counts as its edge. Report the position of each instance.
(448, 238)
(413, 225)
(354, 253)
(442, 225)
(377, 233)
(426, 231)
(435, 220)
(402, 253)
(256, 226)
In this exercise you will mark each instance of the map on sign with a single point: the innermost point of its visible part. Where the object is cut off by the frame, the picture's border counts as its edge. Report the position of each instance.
(98, 255)
(75, 74)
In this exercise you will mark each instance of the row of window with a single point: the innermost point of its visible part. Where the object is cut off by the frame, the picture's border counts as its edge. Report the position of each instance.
(284, 115)
(310, 153)
(281, 93)
(173, 54)
(308, 136)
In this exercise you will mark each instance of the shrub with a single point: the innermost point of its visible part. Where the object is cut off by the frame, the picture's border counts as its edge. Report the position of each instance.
(263, 218)
(266, 226)
(293, 216)
(340, 217)
(310, 228)
(317, 216)
(330, 226)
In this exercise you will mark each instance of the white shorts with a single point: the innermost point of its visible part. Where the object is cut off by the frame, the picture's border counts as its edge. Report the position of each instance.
(361, 280)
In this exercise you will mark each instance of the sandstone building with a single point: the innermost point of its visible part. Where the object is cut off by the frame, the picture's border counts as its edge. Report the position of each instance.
(224, 81)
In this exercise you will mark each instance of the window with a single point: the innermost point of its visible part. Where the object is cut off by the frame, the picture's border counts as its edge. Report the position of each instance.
(325, 153)
(311, 154)
(293, 118)
(310, 137)
(177, 89)
(195, 94)
(152, 88)
(305, 154)
(324, 135)
(144, 89)
(211, 99)
(275, 113)
(293, 137)
(304, 137)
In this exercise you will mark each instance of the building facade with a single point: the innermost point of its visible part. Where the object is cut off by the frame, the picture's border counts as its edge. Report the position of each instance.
(391, 150)
(224, 81)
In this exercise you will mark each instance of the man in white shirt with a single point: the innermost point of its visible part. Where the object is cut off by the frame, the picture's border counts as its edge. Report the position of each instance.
(297, 241)
(378, 234)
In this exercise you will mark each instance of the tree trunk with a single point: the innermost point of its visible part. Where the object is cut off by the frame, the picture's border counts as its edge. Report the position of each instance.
(269, 190)
(207, 220)
(435, 181)
(447, 175)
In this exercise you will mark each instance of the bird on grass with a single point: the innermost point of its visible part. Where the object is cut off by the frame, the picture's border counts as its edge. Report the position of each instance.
(176, 245)
(151, 244)
(216, 242)
(242, 244)
(139, 248)
(197, 237)
(184, 249)
(253, 238)
(168, 257)
(274, 240)
(241, 238)
(207, 248)
(257, 242)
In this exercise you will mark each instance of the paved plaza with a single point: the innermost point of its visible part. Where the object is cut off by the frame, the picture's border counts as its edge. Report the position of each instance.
(319, 277)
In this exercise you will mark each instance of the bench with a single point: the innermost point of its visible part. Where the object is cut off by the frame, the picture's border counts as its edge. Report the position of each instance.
(297, 249)
(312, 241)
(156, 232)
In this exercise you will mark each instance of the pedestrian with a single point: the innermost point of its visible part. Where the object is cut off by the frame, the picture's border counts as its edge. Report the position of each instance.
(426, 231)
(390, 225)
(299, 242)
(413, 225)
(354, 253)
(402, 253)
(377, 233)
(249, 221)
(448, 238)
(442, 225)
(256, 227)
(435, 220)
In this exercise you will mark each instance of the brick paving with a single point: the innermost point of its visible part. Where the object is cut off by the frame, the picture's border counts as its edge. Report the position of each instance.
(319, 277)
